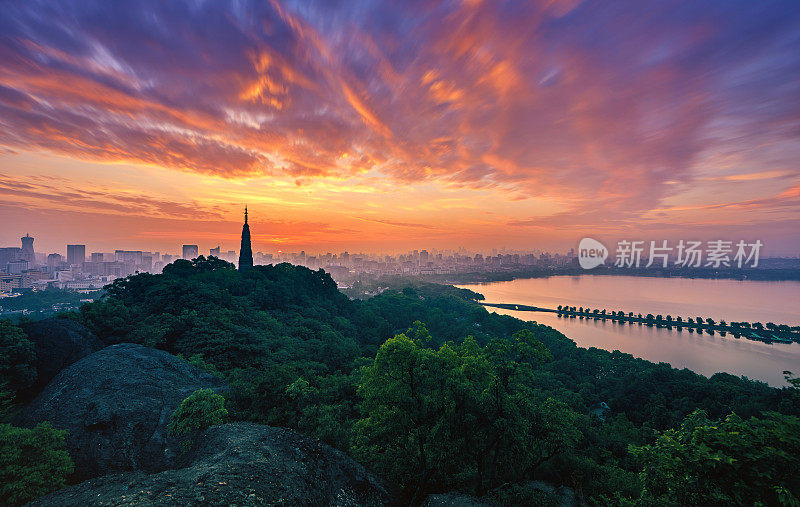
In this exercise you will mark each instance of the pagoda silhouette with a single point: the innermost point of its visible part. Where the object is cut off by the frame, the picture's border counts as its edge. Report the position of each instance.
(246, 251)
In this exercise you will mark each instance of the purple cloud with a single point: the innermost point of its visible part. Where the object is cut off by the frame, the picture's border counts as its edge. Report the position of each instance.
(604, 106)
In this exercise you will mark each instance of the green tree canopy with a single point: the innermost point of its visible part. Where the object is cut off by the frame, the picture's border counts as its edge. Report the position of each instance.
(33, 462)
(458, 414)
(16, 358)
(731, 461)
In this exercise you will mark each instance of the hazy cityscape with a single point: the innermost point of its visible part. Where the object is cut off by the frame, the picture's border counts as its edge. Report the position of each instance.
(74, 268)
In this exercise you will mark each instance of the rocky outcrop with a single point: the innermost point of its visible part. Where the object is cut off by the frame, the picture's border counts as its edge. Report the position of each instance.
(455, 500)
(241, 464)
(116, 404)
(58, 343)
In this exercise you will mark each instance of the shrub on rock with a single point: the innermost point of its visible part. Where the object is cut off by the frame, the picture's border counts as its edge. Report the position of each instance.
(201, 410)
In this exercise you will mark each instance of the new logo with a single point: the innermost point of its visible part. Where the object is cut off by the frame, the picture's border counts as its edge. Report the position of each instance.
(591, 253)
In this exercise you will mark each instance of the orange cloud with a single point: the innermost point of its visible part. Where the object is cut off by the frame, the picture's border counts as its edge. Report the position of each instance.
(608, 112)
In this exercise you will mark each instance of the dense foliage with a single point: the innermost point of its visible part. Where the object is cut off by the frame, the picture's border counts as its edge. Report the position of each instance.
(16, 370)
(462, 415)
(723, 462)
(33, 462)
(437, 394)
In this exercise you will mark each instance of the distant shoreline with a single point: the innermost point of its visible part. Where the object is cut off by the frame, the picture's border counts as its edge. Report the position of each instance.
(765, 275)
(368, 285)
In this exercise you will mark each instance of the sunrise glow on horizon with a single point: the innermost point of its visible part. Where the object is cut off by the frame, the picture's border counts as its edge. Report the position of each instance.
(381, 126)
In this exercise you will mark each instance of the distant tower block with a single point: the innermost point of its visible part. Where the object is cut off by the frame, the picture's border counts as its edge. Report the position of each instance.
(27, 250)
(76, 255)
(245, 252)
(190, 252)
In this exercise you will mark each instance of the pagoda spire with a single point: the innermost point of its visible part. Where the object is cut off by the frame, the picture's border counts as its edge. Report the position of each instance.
(246, 251)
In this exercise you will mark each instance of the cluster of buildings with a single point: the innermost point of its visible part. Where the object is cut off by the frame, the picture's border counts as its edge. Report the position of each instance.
(422, 262)
(22, 268)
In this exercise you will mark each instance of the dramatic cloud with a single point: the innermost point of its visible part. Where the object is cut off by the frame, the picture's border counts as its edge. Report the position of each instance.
(607, 110)
(59, 194)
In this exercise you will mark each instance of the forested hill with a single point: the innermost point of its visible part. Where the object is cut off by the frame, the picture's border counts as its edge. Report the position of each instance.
(436, 394)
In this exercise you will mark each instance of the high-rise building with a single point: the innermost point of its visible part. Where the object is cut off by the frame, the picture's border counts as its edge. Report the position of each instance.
(214, 252)
(245, 252)
(76, 255)
(132, 257)
(27, 250)
(423, 258)
(9, 254)
(18, 266)
(97, 257)
(54, 260)
(190, 252)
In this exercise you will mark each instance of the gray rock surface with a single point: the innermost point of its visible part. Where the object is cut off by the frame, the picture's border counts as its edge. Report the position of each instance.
(455, 499)
(240, 464)
(58, 343)
(116, 404)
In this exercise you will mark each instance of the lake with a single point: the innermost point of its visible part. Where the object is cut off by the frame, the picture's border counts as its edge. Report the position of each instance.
(729, 300)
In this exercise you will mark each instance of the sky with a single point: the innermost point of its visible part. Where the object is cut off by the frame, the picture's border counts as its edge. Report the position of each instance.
(381, 126)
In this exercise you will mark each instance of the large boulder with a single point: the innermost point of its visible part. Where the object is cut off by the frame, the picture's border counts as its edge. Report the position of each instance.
(58, 343)
(241, 464)
(116, 404)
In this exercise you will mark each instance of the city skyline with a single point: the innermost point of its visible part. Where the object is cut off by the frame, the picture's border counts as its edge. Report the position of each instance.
(379, 126)
(220, 250)
(23, 269)
(261, 247)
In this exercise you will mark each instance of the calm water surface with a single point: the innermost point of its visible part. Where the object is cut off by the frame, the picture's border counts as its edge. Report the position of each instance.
(730, 300)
